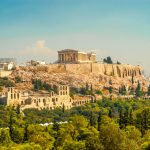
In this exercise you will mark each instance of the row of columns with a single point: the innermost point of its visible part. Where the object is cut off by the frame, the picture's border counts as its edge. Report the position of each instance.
(68, 57)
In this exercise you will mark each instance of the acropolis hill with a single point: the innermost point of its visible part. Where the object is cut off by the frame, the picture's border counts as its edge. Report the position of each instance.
(73, 61)
(78, 68)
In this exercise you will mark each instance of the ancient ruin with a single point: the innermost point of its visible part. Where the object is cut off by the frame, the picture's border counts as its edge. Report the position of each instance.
(75, 56)
(42, 100)
(73, 69)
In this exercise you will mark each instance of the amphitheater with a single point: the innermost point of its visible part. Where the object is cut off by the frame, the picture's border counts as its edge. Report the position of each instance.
(42, 100)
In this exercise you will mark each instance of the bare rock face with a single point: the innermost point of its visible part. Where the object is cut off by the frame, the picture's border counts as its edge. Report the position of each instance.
(77, 75)
(116, 70)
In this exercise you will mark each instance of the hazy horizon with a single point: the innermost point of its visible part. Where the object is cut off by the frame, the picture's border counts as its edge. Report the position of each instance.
(37, 29)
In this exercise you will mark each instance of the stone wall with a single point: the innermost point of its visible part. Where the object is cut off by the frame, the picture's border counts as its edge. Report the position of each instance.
(4, 73)
(97, 68)
(115, 70)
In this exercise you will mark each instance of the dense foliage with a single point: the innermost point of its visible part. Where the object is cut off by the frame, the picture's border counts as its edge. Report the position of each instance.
(6, 82)
(108, 60)
(40, 85)
(105, 125)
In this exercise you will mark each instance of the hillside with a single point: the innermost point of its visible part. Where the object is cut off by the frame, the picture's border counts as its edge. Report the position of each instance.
(77, 75)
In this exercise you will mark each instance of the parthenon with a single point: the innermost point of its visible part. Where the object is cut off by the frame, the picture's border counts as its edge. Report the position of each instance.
(75, 56)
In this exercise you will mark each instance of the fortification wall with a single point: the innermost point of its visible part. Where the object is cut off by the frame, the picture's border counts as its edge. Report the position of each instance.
(79, 68)
(116, 70)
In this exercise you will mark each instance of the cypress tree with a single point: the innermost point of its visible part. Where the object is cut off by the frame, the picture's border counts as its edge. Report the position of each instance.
(148, 92)
(138, 90)
(99, 121)
(132, 80)
(11, 125)
(92, 119)
(26, 132)
(121, 118)
(131, 121)
(110, 114)
(63, 108)
(18, 109)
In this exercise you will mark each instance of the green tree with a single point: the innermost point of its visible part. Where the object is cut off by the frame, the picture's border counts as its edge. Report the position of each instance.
(119, 63)
(121, 121)
(18, 79)
(26, 134)
(94, 143)
(110, 113)
(138, 90)
(132, 79)
(5, 138)
(148, 91)
(133, 133)
(143, 120)
(37, 135)
(74, 145)
(108, 60)
(99, 121)
(112, 137)
(93, 118)
(132, 91)
(110, 89)
(79, 121)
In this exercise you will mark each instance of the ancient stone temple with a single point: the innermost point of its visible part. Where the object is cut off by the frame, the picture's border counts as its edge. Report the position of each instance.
(75, 56)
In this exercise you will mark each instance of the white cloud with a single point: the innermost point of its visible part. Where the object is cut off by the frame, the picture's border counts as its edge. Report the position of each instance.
(39, 49)
(40, 44)
(36, 51)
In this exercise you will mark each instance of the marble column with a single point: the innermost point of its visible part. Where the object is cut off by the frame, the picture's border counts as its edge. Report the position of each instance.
(63, 58)
(59, 59)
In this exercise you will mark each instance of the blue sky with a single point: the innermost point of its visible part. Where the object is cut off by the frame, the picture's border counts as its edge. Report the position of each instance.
(32, 29)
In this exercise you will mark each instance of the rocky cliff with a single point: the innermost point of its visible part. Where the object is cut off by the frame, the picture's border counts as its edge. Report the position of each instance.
(77, 75)
(121, 71)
